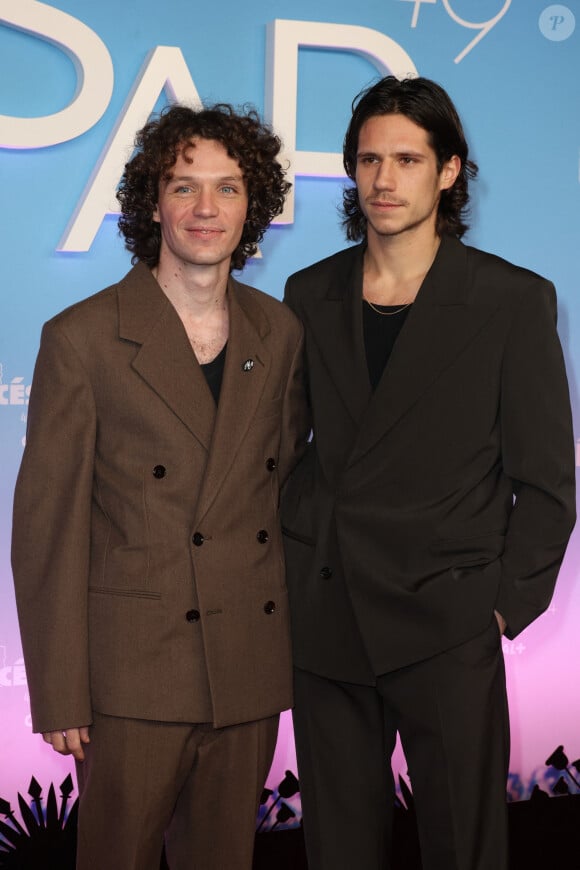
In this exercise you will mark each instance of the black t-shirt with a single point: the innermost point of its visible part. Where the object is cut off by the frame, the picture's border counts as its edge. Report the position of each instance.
(214, 372)
(381, 327)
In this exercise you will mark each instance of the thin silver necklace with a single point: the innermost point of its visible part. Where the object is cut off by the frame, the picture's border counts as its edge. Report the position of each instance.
(387, 313)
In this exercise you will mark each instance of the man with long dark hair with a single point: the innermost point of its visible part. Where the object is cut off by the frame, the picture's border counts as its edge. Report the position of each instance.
(165, 413)
(433, 508)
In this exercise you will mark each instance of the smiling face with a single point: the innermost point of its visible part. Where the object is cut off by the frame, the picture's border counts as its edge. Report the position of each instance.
(398, 181)
(201, 208)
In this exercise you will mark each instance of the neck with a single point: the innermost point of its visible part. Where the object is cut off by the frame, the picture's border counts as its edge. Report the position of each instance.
(395, 267)
(199, 295)
(194, 291)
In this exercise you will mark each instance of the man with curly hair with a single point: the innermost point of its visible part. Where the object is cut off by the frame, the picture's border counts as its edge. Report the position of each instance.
(432, 511)
(165, 414)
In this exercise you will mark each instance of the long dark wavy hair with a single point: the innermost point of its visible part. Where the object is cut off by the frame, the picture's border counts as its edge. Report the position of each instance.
(425, 103)
(246, 139)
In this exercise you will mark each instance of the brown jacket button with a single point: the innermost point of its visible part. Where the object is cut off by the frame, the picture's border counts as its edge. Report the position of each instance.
(271, 464)
(263, 536)
(192, 615)
(198, 539)
(269, 607)
(159, 471)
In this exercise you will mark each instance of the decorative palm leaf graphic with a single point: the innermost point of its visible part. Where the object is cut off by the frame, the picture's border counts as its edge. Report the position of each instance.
(559, 761)
(286, 789)
(47, 831)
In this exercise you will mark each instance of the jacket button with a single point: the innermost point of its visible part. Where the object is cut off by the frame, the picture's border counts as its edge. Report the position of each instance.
(159, 471)
(326, 572)
(192, 615)
(271, 464)
(198, 539)
(262, 536)
(269, 607)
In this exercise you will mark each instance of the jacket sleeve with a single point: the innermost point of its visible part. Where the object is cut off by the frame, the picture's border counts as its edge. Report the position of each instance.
(290, 296)
(51, 535)
(538, 456)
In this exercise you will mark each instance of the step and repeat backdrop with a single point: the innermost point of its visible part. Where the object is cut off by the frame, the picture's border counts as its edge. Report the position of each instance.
(78, 78)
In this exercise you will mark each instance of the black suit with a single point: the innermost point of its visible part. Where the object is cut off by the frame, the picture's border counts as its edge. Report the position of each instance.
(402, 536)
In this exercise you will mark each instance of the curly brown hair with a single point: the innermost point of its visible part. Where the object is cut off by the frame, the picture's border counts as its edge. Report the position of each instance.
(246, 139)
(425, 103)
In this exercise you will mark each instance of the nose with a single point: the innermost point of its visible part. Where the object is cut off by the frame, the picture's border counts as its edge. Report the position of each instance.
(385, 176)
(206, 204)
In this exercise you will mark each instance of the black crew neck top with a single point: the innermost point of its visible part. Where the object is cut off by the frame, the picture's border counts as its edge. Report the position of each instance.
(381, 327)
(214, 372)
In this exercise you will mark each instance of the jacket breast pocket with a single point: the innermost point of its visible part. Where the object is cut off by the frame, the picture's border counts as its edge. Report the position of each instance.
(268, 408)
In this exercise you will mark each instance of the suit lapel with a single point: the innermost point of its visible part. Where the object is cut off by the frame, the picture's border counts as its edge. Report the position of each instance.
(337, 329)
(165, 359)
(247, 367)
(439, 327)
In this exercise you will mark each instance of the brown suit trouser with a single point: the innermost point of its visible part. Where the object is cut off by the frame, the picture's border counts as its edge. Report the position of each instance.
(451, 714)
(197, 786)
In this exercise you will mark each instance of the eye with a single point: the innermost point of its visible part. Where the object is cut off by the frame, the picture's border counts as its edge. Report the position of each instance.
(368, 159)
(406, 160)
(228, 188)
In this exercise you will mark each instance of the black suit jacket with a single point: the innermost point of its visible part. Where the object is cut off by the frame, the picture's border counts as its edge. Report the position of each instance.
(449, 491)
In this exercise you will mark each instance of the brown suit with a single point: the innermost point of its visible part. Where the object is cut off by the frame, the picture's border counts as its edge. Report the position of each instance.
(147, 553)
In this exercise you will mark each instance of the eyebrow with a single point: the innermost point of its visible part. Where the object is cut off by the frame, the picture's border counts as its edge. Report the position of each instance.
(239, 177)
(401, 152)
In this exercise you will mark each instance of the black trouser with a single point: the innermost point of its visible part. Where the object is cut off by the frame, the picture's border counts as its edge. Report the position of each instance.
(451, 714)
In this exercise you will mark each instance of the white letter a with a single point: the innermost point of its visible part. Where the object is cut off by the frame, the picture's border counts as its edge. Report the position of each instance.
(164, 69)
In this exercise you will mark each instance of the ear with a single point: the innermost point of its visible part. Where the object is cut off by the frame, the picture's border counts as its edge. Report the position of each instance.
(155, 215)
(449, 172)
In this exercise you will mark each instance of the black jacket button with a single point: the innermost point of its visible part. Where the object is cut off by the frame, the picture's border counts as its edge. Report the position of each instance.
(198, 539)
(271, 464)
(192, 615)
(326, 572)
(159, 471)
(269, 607)
(262, 536)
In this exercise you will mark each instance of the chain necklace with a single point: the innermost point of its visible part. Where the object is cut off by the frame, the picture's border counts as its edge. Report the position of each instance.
(387, 313)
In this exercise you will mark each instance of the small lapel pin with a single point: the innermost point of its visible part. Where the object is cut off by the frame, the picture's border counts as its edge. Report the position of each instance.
(248, 365)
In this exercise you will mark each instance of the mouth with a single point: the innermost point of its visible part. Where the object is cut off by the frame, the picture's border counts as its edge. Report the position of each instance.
(205, 232)
(385, 204)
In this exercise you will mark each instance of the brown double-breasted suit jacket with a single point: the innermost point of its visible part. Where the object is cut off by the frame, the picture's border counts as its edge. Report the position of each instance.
(147, 552)
(449, 491)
